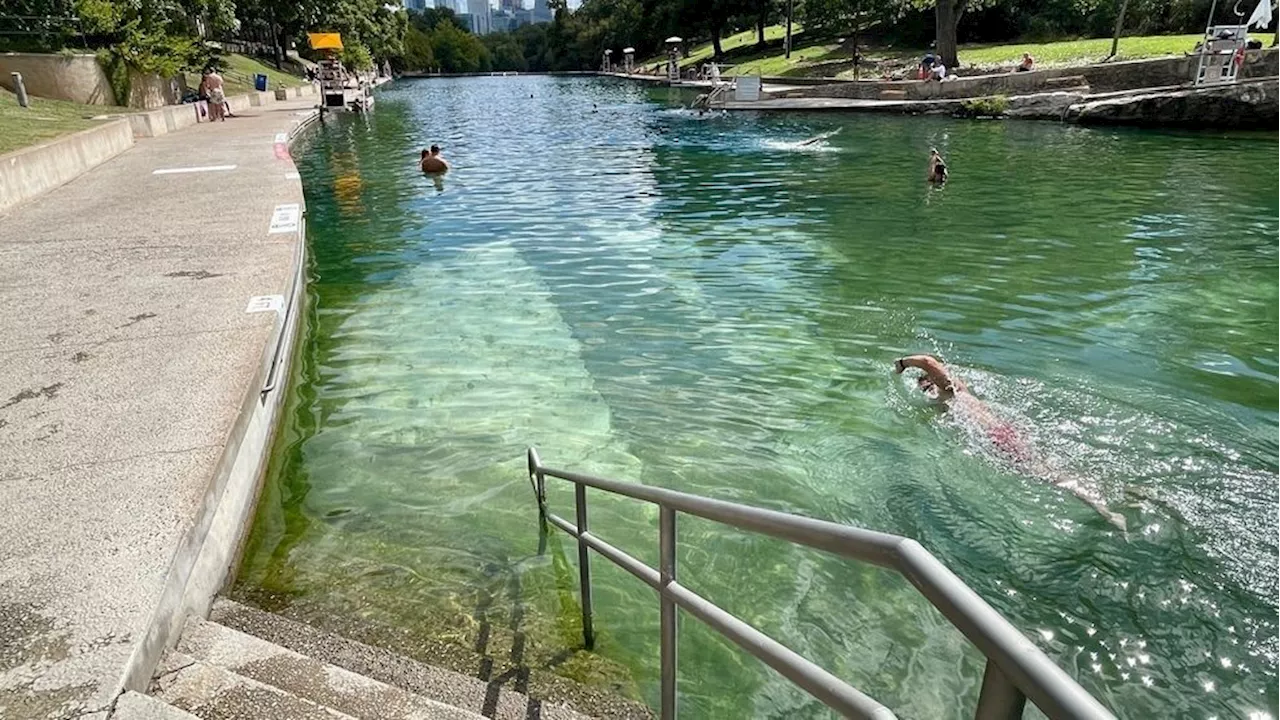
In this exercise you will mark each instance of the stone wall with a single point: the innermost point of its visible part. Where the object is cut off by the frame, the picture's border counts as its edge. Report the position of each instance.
(1251, 105)
(1102, 77)
(28, 172)
(78, 78)
(148, 91)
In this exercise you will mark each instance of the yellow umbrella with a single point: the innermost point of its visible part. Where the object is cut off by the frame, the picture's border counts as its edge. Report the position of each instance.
(325, 41)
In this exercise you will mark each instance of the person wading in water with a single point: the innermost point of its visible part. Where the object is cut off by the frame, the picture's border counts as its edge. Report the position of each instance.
(940, 384)
(431, 161)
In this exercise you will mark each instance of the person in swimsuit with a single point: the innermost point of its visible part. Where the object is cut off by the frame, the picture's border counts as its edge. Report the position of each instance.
(211, 87)
(937, 167)
(940, 384)
(431, 162)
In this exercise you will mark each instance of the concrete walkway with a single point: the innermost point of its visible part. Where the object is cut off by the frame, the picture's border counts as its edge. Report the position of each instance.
(127, 362)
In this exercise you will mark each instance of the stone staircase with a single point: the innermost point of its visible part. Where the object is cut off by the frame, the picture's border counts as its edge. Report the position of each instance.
(247, 664)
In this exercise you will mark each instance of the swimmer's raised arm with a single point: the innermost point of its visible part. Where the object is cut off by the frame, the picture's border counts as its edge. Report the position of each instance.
(932, 367)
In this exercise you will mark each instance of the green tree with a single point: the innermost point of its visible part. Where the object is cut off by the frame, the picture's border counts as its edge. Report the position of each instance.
(418, 54)
(457, 50)
(505, 52)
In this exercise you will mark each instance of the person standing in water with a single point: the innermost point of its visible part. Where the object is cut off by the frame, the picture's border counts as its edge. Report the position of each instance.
(431, 162)
(940, 384)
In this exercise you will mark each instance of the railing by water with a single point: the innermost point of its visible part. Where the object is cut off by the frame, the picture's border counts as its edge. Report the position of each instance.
(1016, 669)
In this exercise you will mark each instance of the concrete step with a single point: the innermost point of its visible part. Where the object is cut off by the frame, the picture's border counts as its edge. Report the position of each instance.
(212, 693)
(312, 680)
(136, 706)
(451, 673)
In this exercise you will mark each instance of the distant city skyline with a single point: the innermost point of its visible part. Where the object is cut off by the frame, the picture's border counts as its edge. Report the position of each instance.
(460, 6)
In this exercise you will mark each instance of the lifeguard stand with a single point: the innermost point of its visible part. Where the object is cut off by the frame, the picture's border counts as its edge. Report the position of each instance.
(673, 58)
(1221, 54)
(331, 75)
(628, 60)
(607, 64)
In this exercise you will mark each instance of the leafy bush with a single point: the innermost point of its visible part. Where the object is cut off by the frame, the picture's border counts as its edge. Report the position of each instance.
(990, 106)
(356, 56)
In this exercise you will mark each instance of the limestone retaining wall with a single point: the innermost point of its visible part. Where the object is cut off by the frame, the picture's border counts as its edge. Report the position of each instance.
(1102, 77)
(78, 78)
(31, 171)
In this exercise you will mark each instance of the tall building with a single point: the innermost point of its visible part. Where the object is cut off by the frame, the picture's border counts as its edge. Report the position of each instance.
(479, 16)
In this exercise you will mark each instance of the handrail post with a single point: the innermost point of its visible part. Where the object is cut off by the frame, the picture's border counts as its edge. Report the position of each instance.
(667, 575)
(584, 566)
(539, 479)
(999, 698)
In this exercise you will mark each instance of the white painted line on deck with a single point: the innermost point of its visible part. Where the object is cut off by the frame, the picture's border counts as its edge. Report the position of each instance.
(205, 168)
(285, 219)
(292, 176)
(265, 303)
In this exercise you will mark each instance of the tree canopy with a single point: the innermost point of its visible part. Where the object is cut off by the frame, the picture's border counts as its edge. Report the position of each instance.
(165, 35)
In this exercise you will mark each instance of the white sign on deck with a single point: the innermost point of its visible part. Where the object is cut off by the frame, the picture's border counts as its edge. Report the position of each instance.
(265, 303)
(281, 138)
(285, 219)
(292, 176)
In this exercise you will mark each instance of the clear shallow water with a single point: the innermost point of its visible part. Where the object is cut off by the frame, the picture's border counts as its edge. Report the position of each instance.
(702, 304)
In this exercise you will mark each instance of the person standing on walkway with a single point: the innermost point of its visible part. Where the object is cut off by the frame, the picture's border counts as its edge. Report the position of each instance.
(211, 87)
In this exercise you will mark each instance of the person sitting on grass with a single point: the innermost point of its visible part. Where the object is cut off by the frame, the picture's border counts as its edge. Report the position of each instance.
(1028, 63)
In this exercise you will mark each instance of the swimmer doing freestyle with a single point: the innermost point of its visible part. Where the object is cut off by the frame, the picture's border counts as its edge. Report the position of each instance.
(939, 384)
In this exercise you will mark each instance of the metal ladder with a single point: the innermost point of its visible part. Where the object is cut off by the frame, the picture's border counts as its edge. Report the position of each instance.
(1016, 669)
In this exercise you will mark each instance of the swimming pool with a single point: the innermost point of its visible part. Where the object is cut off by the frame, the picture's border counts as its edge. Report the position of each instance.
(701, 303)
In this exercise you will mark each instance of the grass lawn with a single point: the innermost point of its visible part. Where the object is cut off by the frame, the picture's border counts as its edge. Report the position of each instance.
(44, 120)
(830, 59)
(747, 38)
(1075, 52)
(240, 71)
(243, 68)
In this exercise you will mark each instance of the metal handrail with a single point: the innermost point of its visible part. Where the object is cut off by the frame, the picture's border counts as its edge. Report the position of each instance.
(1016, 669)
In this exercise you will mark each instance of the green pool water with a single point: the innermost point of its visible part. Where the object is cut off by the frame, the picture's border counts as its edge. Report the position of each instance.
(700, 303)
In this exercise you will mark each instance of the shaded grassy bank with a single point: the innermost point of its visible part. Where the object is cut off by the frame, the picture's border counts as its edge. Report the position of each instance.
(832, 58)
(45, 120)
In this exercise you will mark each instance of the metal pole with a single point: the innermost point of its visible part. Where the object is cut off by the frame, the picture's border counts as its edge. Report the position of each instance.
(666, 576)
(999, 699)
(584, 567)
(20, 89)
(787, 43)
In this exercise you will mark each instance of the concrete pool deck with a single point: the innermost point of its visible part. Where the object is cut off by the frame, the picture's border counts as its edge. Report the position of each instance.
(133, 416)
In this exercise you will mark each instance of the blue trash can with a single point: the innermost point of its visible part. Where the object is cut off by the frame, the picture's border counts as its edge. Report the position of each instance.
(260, 83)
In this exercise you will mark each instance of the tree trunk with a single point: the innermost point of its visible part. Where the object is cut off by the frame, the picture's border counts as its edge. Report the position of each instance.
(715, 40)
(1115, 39)
(275, 40)
(760, 23)
(947, 14)
(857, 60)
(787, 42)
